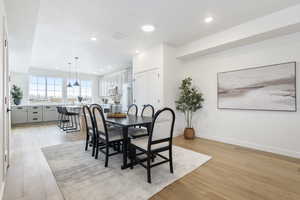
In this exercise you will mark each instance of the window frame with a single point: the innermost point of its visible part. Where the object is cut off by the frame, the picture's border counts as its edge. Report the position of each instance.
(89, 88)
(36, 90)
(45, 87)
(61, 85)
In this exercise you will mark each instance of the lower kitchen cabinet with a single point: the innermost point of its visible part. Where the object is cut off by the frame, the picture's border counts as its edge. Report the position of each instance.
(19, 115)
(30, 114)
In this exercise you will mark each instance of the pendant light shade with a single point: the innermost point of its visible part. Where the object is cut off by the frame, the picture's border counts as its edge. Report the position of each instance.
(69, 83)
(76, 84)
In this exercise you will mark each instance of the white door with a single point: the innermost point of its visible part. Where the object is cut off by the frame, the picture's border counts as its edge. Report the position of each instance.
(147, 88)
(6, 105)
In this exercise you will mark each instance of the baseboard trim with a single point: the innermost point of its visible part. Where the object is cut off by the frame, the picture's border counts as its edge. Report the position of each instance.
(253, 146)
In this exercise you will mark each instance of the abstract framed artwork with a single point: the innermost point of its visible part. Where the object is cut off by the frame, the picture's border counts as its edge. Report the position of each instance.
(271, 87)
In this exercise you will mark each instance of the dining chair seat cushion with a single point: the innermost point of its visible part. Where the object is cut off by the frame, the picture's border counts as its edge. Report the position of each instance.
(113, 135)
(114, 128)
(135, 132)
(142, 143)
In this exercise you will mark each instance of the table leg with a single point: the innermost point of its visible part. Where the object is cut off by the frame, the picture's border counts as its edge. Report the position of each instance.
(149, 128)
(125, 147)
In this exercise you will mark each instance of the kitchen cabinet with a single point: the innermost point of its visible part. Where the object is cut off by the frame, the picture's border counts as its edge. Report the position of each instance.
(19, 114)
(50, 113)
(34, 113)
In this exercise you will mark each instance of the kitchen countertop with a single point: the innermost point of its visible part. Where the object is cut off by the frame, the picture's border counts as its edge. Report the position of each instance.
(42, 104)
(55, 104)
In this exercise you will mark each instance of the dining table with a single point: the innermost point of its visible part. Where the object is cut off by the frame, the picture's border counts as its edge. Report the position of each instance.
(125, 124)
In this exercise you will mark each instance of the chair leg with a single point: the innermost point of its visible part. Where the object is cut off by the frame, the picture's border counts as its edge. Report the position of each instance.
(171, 160)
(115, 146)
(118, 147)
(106, 154)
(87, 142)
(148, 167)
(97, 148)
(72, 121)
(132, 155)
(75, 120)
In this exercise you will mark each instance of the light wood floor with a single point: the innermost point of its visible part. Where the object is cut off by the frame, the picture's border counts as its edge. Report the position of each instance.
(232, 173)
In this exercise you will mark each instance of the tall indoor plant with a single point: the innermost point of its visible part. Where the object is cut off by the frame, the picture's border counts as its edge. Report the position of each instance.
(16, 94)
(189, 101)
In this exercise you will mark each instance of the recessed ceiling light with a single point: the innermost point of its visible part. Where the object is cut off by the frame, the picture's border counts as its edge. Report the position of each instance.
(148, 28)
(93, 38)
(137, 51)
(208, 19)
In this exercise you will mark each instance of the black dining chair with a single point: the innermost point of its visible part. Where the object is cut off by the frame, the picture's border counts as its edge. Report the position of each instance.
(95, 105)
(159, 140)
(90, 129)
(105, 137)
(132, 110)
(147, 111)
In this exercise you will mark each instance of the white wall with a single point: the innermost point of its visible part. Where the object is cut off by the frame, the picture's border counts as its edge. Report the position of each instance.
(172, 76)
(273, 131)
(22, 80)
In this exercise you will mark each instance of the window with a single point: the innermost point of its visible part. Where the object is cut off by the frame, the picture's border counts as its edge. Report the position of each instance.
(54, 87)
(73, 92)
(37, 87)
(86, 88)
(107, 84)
(42, 87)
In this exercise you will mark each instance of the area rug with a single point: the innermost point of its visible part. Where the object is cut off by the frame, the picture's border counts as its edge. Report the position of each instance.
(80, 177)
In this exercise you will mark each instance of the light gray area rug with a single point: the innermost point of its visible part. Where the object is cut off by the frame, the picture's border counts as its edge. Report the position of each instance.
(81, 177)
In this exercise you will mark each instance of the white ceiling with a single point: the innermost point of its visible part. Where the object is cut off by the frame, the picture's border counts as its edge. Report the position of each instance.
(49, 33)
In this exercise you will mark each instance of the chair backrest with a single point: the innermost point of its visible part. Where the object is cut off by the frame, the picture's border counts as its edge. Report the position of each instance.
(64, 110)
(100, 123)
(148, 111)
(94, 105)
(59, 110)
(132, 110)
(162, 127)
(88, 118)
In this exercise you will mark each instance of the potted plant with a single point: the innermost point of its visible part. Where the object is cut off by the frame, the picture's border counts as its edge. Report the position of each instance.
(189, 101)
(16, 94)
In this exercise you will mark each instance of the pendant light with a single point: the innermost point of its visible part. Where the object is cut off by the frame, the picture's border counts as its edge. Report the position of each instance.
(76, 84)
(69, 85)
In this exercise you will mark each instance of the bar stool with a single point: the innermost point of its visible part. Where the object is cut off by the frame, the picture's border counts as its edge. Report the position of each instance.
(70, 123)
(61, 117)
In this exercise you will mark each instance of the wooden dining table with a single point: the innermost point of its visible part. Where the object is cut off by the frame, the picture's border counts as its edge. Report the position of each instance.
(125, 124)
